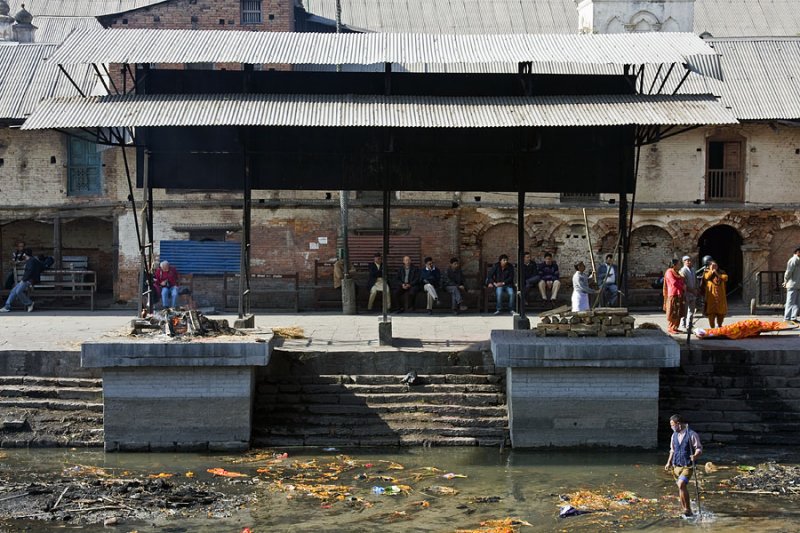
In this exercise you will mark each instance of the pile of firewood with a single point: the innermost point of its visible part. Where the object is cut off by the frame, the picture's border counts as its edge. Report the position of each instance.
(600, 322)
(178, 322)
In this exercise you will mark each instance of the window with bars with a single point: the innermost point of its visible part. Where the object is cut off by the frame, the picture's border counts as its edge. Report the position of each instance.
(724, 174)
(251, 12)
(85, 169)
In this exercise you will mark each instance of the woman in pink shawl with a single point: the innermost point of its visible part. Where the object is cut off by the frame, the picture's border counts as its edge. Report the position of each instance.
(674, 290)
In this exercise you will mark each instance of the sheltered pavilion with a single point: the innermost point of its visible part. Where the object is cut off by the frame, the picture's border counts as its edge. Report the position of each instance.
(251, 128)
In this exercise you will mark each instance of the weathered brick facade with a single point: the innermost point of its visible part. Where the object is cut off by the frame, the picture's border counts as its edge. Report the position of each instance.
(671, 214)
(276, 15)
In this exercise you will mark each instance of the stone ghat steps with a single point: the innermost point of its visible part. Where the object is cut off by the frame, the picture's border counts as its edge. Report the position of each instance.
(62, 393)
(379, 410)
(50, 382)
(50, 412)
(370, 400)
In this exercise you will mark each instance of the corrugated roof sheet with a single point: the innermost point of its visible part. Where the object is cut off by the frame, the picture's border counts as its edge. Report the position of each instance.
(376, 111)
(77, 8)
(721, 18)
(27, 78)
(190, 46)
(762, 78)
(56, 29)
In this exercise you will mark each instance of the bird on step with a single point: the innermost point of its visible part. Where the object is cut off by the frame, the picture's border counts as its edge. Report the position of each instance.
(409, 378)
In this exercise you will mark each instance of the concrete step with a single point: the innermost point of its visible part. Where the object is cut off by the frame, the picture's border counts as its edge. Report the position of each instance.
(390, 379)
(465, 399)
(401, 440)
(63, 393)
(383, 362)
(380, 409)
(50, 382)
(395, 388)
(367, 431)
(307, 420)
(54, 404)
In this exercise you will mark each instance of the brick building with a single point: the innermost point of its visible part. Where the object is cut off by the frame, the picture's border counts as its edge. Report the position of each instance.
(730, 192)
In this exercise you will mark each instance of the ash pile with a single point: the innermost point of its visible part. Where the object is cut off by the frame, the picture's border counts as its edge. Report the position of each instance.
(181, 323)
(600, 322)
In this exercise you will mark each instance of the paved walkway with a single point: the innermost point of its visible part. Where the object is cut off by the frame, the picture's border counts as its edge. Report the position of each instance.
(66, 330)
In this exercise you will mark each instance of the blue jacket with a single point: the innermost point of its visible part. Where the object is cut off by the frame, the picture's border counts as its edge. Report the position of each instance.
(433, 276)
(602, 272)
(682, 453)
(549, 272)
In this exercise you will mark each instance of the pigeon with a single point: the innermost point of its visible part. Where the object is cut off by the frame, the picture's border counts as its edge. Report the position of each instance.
(409, 378)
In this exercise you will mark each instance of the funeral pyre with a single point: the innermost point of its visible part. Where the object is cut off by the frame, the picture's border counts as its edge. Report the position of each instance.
(600, 322)
(178, 322)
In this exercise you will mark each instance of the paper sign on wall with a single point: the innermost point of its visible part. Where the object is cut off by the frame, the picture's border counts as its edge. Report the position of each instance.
(313, 246)
(322, 240)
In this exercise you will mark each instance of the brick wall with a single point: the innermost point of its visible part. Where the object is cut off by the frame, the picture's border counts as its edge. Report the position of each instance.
(744, 396)
(650, 252)
(277, 15)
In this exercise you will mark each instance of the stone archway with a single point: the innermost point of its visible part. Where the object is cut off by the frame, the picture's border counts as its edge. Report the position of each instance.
(724, 244)
(783, 244)
(499, 239)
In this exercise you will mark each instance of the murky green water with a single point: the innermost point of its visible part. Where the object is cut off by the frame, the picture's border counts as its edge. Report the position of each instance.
(524, 485)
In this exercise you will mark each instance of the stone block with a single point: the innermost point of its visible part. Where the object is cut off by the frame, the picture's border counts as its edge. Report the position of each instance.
(525, 349)
(248, 322)
(228, 446)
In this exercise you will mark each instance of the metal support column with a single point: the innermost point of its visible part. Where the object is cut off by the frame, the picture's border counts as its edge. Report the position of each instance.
(244, 262)
(520, 320)
(385, 326)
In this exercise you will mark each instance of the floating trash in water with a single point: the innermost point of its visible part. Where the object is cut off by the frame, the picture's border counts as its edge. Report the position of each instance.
(221, 472)
(568, 510)
(378, 490)
(441, 491)
(451, 475)
(330, 449)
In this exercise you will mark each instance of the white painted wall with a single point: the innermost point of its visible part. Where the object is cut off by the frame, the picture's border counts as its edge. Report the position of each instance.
(623, 16)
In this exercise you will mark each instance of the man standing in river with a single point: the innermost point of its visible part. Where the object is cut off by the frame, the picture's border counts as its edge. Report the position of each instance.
(684, 449)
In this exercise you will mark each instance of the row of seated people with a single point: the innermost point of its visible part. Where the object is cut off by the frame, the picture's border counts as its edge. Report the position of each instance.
(410, 280)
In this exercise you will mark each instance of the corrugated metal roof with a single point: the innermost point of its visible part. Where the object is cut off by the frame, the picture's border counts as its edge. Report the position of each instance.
(721, 18)
(375, 111)
(762, 78)
(191, 46)
(56, 29)
(77, 8)
(27, 78)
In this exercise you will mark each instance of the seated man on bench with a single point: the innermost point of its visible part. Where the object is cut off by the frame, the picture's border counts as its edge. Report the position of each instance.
(165, 280)
(33, 271)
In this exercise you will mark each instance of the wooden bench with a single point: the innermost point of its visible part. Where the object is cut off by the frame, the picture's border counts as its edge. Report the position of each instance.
(63, 283)
(267, 291)
(362, 249)
(534, 299)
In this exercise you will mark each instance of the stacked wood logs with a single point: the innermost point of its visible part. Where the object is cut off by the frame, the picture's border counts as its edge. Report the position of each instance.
(601, 322)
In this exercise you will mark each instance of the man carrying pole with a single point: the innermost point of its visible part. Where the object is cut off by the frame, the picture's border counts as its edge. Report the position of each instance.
(684, 449)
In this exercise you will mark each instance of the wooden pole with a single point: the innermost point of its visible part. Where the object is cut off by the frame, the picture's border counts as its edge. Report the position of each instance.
(589, 242)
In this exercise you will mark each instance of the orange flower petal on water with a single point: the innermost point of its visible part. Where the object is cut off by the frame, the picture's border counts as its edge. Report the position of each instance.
(160, 475)
(221, 472)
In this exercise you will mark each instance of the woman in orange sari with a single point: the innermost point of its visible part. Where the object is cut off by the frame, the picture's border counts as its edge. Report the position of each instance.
(674, 290)
(715, 281)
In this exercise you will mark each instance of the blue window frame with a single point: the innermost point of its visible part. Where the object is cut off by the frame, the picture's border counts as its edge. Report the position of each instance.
(85, 173)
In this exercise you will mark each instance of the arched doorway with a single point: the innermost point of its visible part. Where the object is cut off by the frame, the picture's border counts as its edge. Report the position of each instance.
(724, 244)
(499, 239)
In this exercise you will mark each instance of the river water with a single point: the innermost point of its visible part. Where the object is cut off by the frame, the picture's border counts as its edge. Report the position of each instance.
(433, 497)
